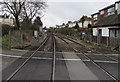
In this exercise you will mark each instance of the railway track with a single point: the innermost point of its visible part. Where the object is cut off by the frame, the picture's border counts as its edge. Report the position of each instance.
(92, 60)
(54, 59)
(114, 59)
(10, 78)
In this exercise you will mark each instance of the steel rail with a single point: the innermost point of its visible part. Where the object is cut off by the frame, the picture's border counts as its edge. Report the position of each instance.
(54, 60)
(92, 60)
(24, 63)
(92, 49)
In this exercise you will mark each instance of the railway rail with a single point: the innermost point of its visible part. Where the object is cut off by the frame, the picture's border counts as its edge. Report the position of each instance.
(31, 56)
(92, 60)
(54, 58)
(114, 59)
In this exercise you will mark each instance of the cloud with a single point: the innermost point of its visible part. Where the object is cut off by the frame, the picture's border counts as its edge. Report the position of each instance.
(80, 0)
(62, 12)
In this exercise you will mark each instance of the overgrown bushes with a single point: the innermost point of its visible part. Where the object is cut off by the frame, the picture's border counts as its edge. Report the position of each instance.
(6, 29)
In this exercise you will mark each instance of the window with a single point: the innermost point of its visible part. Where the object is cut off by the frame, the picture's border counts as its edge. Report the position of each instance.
(118, 8)
(95, 17)
(112, 33)
(118, 33)
(115, 32)
(111, 11)
(102, 12)
(95, 22)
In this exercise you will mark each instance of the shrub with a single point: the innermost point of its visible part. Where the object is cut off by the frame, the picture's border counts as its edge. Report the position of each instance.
(6, 29)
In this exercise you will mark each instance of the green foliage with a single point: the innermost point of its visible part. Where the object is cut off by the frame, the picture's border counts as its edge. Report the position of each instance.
(6, 29)
(26, 24)
(37, 23)
(88, 31)
(65, 31)
(5, 42)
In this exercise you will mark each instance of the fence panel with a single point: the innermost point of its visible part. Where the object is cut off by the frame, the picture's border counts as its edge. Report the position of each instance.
(113, 42)
(108, 41)
(104, 40)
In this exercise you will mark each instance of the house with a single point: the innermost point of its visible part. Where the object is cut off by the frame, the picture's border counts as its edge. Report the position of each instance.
(106, 22)
(84, 22)
(72, 24)
(5, 19)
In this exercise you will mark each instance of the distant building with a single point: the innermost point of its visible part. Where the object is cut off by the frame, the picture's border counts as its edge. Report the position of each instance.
(79, 23)
(106, 22)
(5, 19)
(84, 22)
(72, 24)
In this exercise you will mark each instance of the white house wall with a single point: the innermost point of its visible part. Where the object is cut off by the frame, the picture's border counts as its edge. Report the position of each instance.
(118, 8)
(80, 24)
(6, 21)
(105, 31)
(86, 24)
(94, 32)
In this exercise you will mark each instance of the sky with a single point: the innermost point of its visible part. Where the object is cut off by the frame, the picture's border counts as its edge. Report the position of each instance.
(62, 11)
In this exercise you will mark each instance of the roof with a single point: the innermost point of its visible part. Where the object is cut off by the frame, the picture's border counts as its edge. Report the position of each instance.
(95, 14)
(117, 2)
(111, 20)
(113, 5)
(85, 18)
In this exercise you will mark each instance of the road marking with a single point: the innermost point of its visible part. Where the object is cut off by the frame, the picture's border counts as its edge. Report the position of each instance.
(10, 56)
(60, 59)
(68, 59)
(19, 50)
(42, 58)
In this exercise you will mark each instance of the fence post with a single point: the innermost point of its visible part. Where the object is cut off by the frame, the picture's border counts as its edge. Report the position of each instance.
(10, 38)
(108, 41)
(119, 45)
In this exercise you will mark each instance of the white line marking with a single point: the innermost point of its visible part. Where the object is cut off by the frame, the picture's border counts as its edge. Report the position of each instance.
(19, 50)
(60, 59)
(68, 59)
(41, 58)
(10, 56)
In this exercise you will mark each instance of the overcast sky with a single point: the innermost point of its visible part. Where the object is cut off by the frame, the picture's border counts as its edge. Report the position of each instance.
(62, 11)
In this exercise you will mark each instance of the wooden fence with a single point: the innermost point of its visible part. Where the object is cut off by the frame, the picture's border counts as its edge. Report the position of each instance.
(108, 41)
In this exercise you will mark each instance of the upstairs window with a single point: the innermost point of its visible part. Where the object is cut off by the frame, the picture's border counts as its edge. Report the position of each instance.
(111, 11)
(118, 10)
(102, 12)
(95, 17)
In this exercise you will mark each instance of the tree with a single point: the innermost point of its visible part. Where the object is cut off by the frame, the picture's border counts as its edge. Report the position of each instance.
(37, 23)
(22, 9)
(33, 8)
(14, 7)
(83, 19)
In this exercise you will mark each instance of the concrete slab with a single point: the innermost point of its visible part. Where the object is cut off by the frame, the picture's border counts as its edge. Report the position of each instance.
(77, 69)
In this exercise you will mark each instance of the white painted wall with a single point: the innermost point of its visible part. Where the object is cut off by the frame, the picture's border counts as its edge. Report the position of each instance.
(6, 21)
(86, 24)
(117, 7)
(80, 24)
(72, 25)
(105, 31)
(94, 32)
